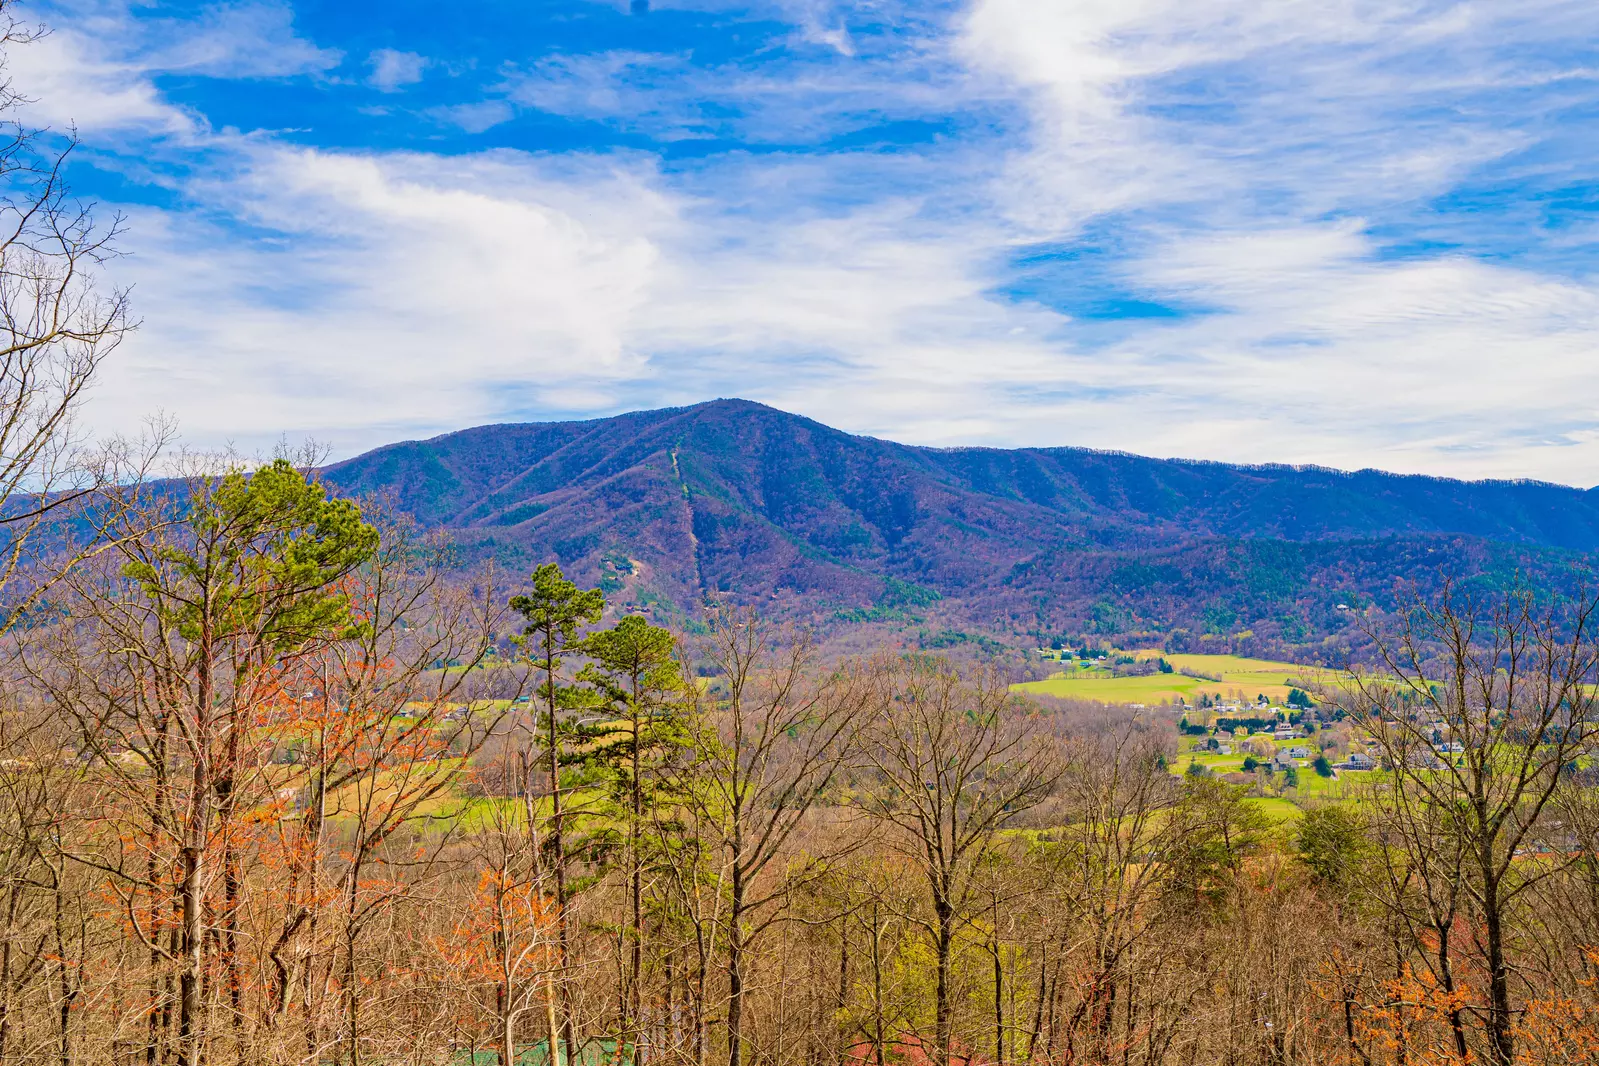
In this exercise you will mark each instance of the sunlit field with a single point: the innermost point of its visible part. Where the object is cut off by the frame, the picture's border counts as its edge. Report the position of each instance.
(1239, 677)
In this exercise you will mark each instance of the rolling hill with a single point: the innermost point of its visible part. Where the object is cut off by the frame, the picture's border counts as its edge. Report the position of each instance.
(736, 500)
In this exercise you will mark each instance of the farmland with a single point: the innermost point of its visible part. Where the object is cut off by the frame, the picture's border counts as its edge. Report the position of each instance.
(1192, 679)
(1239, 678)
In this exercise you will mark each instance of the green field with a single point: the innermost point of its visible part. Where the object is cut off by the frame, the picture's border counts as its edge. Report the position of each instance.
(1240, 677)
(1277, 810)
(1347, 787)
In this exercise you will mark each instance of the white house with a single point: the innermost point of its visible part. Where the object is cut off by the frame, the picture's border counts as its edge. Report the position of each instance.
(1359, 760)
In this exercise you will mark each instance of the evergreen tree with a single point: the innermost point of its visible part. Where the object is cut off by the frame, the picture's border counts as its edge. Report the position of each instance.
(556, 611)
(639, 681)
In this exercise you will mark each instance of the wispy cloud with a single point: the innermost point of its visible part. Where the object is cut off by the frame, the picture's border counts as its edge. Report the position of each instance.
(95, 70)
(617, 86)
(1347, 233)
(393, 70)
(240, 40)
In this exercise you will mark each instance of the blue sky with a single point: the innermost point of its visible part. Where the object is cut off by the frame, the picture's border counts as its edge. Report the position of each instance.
(1330, 231)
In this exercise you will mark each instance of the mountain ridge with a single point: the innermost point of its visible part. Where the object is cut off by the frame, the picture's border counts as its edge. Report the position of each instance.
(735, 499)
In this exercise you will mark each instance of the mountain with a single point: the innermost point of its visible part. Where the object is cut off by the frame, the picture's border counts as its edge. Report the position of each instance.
(738, 500)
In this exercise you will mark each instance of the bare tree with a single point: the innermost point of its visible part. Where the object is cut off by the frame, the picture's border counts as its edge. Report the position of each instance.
(1118, 803)
(1480, 711)
(172, 657)
(956, 760)
(395, 716)
(775, 730)
(56, 328)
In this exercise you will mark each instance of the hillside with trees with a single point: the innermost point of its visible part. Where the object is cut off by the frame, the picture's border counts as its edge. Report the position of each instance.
(736, 502)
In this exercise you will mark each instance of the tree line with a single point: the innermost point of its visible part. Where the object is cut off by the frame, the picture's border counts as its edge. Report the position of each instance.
(277, 785)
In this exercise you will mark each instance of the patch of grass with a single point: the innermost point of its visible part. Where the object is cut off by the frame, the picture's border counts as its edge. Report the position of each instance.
(1276, 810)
(1100, 685)
(1250, 677)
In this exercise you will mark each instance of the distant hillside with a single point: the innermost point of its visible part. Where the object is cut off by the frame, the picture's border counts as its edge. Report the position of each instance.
(735, 499)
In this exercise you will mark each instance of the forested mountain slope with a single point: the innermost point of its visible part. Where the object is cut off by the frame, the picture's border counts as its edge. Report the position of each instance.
(737, 499)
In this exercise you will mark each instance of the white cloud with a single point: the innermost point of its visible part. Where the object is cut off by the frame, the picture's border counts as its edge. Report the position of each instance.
(399, 291)
(94, 71)
(1243, 150)
(1331, 355)
(475, 117)
(802, 98)
(600, 86)
(239, 40)
(409, 294)
(73, 81)
(1232, 109)
(392, 70)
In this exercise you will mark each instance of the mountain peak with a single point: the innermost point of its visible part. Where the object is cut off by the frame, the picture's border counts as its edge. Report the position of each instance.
(733, 497)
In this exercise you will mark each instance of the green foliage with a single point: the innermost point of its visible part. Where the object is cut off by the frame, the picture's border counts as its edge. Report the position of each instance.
(615, 567)
(1218, 828)
(1322, 767)
(555, 612)
(1299, 699)
(637, 679)
(1293, 629)
(895, 604)
(897, 593)
(1142, 577)
(260, 555)
(1251, 764)
(949, 638)
(1219, 617)
(1109, 618)
(1332, 842)
(635, 665)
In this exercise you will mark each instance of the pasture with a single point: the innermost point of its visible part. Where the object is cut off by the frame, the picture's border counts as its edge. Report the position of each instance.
(1240, 678)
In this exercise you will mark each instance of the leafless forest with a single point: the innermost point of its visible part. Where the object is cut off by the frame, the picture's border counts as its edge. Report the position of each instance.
(276, 788)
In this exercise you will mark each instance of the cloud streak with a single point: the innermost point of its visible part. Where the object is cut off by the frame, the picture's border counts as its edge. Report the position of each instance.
(1325, 226)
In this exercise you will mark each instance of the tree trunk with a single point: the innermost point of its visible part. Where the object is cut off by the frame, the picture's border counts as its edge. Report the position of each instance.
(557, 846)
(193, 862)
(735, 969)
(1446, 977)
(702, 969)
(1038, 1006)
(999, 1007)
(1501, 1024)
(13, 900)
(193, 932)
(352, 1004)
(879, 1023)
(843, 990)
(945, 915)
(502, 997)
(636, 925)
